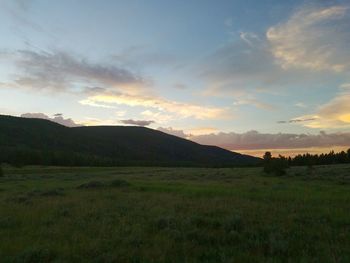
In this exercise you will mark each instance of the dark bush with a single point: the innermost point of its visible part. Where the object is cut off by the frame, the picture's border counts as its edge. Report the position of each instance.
(53, 192)
(92, 184)
(276, 166)
(34, 255)
(119, 183)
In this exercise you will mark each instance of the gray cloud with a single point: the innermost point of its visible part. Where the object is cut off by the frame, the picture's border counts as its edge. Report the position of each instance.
(297, 120)
(171, 131)
(61, 71)
(58, 118)
(180, 86)
(137, 122)
(253, 140)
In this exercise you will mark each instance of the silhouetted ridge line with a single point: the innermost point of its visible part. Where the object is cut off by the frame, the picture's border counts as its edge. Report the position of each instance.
(41, 142)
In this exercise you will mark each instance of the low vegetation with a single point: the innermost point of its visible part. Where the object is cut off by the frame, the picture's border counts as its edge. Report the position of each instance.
(63, 214)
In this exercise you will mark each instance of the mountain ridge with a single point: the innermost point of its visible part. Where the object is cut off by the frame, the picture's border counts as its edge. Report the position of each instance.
(39, 141)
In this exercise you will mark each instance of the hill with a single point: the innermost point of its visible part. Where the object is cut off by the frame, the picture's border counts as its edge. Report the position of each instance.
(37, 141)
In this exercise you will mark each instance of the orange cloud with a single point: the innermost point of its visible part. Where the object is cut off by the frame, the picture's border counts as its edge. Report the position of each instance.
(180, 109)
(333, 114)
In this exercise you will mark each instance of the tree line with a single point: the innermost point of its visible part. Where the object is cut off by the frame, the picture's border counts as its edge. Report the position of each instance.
(320, 159)
(21, 156)
(278, 165)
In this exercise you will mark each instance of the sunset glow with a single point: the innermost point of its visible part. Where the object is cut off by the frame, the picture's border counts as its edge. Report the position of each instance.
(194, 69)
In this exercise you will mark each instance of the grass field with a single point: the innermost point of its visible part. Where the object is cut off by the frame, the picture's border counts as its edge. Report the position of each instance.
(53, 214)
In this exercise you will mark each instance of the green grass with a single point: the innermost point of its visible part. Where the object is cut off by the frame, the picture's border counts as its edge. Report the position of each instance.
(55, 214)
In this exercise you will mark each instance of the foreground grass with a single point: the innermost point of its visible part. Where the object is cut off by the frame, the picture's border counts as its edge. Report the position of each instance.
(53, 214)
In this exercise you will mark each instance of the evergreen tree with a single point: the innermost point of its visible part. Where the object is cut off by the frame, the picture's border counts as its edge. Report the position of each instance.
(267, 162)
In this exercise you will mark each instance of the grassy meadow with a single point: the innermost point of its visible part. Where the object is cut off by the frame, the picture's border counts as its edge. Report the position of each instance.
(53, 214)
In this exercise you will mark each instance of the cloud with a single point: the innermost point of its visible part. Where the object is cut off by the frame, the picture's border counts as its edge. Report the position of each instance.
(137, 122)
(249, 38)
(183, 110)
(334, 114)
(201, 131)
(253, 140)
(18, 10)
(289, 55)
(246, 68)
(300, 105)
(297, 120)
(61, 71)
(190, 133)
(158, 117)
(237, 67)
(98, 122)
(345, 86)
(180, 86)
(140, 56)
(314, 38)
(58, 118)
(171, 131)
(254, 102)
(104, 85)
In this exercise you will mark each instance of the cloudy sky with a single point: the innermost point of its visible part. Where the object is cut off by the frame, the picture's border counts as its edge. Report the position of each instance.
(246, 75)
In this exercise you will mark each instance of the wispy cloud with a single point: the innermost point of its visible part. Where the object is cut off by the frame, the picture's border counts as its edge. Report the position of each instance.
(104, 85)
(300, 105)
(254, 102)
(298, 120)
(249, 37)
(294, 53)
(313, 38)
(61, 71)
(333, 114)
(157, 116)
(18, 10)
(183, 110)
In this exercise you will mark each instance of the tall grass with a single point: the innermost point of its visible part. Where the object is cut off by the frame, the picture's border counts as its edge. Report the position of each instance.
(174, 215)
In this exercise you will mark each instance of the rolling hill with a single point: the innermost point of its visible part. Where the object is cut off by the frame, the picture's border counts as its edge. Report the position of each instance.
(36, 141)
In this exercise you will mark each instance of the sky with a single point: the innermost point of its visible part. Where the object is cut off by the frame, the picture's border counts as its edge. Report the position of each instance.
(246, 75)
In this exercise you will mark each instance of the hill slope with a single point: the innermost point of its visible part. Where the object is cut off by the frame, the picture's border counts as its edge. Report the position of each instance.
(37, 141)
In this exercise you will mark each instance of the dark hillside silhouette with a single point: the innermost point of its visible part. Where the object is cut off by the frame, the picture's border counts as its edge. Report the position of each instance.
(42, 142)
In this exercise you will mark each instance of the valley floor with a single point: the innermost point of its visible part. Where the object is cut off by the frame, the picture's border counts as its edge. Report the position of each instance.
(53, 214)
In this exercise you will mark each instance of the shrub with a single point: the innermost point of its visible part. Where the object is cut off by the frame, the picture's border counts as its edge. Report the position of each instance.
(91, 184)
(34, 255)
(1, 171)
(119, 183)
(276, 166)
